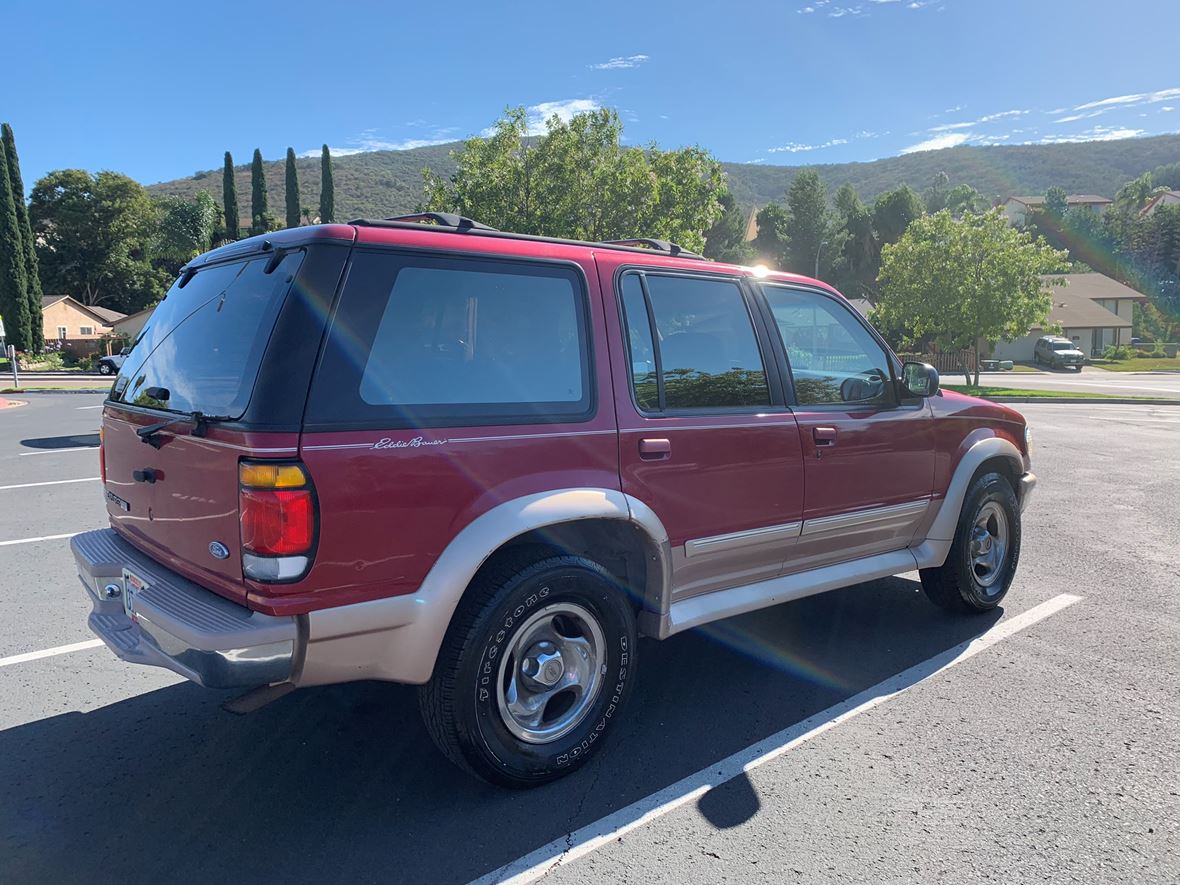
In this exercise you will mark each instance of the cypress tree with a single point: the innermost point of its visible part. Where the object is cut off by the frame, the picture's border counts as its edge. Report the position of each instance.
(327, 189)
(259, 213)
(229, 192)
(25, 231)
(292, 190)
(14, 301)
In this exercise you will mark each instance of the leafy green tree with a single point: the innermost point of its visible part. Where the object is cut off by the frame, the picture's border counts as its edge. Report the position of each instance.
(27, 244)
(14, 299)
(859, 258)
(809, 224)
(1133, 195)
(292, 190)
(770, 245)
(1056, 201)
(94, 236)
(184, 230)
(260, 218)
(726, 239)
(1167, 176)
(963, 198)
(229, 191)
(936, 194)
(579, 181)
(961, 282)
(894, 211)
(327, 188)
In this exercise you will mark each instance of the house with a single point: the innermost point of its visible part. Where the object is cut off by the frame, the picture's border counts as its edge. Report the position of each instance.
(1164, 198)
(65, 319)
(752, 225)
(130, 326)
(1093, 310)
(1016, 209)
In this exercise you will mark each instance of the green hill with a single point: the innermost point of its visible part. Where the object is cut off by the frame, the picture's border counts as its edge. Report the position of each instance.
(383, 183)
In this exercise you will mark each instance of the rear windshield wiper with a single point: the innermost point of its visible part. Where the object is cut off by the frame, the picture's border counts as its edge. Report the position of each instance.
(199, 421)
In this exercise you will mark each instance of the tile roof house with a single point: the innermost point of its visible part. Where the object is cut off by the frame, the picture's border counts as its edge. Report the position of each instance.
(1093, 309)
(1017, 208)
(65, 318)
(1164, 198)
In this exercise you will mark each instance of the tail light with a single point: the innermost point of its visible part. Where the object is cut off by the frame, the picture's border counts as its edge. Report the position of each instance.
(278, 514)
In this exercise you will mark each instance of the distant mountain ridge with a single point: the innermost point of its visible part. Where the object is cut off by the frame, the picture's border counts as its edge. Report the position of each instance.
(383, 183)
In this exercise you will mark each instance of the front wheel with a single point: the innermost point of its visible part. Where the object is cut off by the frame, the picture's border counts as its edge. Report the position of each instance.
(105, 369)
(533, 671)
(983, 556)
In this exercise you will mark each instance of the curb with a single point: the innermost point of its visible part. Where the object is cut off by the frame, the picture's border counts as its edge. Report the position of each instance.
(27, 390)
(1082, 400)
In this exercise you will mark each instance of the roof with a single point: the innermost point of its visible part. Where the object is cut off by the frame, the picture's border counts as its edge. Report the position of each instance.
(1096, 286)
(104, 315)
(132, 316)
(1161, 197)
(1070, 200)
(1074, 311)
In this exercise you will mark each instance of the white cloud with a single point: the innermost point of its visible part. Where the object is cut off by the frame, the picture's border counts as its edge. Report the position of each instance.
(565, 110)
(806, 10)
(948, 126)
(368, 141)
(1071, 118)
(987, 118)
(841, 11)
(938, 142)
(795, 147)
(1137, 98)
(1166, 108)
(1098, 133)
(621, 62)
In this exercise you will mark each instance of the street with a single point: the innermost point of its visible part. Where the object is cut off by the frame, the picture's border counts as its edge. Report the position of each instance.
(1047, 752)
(1158, 385)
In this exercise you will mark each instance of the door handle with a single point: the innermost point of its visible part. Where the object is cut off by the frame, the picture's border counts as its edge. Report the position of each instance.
(824, 436)
(655, 449)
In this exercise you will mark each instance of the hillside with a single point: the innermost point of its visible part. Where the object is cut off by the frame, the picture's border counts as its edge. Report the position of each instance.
(383, 183)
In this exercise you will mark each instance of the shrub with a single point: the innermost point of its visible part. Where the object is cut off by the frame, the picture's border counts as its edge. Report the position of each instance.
(1119, 352)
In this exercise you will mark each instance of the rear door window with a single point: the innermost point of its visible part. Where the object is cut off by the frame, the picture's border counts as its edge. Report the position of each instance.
(204, 342)
(447, 341)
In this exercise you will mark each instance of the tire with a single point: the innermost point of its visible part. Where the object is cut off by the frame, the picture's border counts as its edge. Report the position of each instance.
(105, 369)
(1036, 359)
(500, 632)
(1078, 367)
(963, 583)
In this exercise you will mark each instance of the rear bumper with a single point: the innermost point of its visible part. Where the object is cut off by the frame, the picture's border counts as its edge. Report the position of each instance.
(179, 625)
(1028, 483)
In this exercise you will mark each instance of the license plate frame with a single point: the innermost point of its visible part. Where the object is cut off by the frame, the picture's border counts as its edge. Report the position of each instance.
(133, 585)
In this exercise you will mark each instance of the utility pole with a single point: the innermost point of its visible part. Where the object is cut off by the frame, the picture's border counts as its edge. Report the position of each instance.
(818, 251)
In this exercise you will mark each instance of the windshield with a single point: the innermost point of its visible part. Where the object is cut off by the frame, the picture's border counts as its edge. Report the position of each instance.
(201, 348)
(1064, 345)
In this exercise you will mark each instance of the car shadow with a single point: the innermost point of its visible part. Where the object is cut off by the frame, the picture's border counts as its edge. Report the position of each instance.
(341, 783)
(72, 441)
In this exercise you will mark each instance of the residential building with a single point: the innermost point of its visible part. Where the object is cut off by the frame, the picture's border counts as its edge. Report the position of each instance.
(1017, 208)
(1093, 310)
(65, 319)
(129, 326)
(1164, 198)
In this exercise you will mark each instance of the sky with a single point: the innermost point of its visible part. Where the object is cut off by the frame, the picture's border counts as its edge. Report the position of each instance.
(159, 91)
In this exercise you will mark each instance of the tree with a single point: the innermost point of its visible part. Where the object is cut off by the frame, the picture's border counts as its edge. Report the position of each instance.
(894, 211)
(184, 230)
(327, 188)
(14, 299)
(32, 271)
(770, 246)
(809, 223)
(726, 239)
(963, 198)
(1167, 176)
(1056, 202)
(936, 194)
(229, 190)
(964, 281)
(859, 258)
(292, 190)
(261, 220)
(579, 181)
(94, 235)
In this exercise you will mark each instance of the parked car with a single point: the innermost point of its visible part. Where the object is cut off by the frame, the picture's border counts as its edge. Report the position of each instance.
(109, 365)
(424, 451)
(1058, 353)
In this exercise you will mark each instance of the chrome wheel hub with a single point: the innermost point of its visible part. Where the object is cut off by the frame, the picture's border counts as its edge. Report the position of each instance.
(551, 673)
(989, 544)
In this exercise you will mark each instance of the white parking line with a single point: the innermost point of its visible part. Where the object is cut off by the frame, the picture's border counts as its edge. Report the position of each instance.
(35, 540)
(58, 451)
(50, 652)
(52, 482)
(83, 408)
(593, 836)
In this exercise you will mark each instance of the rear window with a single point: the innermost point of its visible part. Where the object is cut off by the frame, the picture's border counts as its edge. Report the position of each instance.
(450, 341)
(204, 342)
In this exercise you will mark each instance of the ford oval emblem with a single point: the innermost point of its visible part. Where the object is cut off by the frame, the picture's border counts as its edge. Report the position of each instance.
(219, 550)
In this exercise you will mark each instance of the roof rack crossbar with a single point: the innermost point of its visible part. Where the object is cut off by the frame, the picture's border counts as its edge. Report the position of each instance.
(652, 243)
(441, 219)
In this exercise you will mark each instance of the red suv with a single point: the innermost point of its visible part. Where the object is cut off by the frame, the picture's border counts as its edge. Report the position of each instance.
(425, 451)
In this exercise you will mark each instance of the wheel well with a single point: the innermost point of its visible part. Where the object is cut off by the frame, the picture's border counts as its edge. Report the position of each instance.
(619, 546)
(1003, 466)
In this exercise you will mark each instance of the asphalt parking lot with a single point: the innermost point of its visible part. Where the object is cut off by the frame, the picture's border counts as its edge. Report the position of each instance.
(1048, 752)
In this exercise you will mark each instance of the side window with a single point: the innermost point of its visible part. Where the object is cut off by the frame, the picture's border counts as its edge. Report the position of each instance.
(833, 358)
(454, 341)
(702, 354)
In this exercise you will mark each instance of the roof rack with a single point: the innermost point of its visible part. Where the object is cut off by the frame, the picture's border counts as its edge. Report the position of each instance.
(649, 243)
(440, 219)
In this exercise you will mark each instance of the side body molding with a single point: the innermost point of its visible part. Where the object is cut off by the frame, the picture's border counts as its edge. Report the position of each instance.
(398, 638)
(932, 552)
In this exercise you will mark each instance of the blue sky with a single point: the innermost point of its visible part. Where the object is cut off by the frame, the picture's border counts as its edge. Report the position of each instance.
(160, 90)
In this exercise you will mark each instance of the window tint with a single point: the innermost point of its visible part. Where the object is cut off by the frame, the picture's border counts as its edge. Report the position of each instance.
(204, 343)
(455, 341)
(833, 358)
(707, 351)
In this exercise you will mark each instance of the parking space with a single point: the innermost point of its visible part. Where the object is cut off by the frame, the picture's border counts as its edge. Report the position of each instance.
(1048, 754)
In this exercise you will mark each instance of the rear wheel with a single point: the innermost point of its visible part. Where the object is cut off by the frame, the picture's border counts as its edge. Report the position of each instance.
(533, 671)
(105, 369)
(983, 557)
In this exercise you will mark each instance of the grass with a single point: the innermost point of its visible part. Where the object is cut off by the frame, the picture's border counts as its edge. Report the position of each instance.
(1142, 365)
(1019, 367)
(989, 392)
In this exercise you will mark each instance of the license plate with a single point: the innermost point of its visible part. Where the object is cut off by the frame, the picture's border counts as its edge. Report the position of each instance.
(132, 586)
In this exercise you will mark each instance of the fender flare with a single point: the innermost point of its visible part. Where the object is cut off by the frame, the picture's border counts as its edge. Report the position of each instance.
(398, 638)
(932, 552)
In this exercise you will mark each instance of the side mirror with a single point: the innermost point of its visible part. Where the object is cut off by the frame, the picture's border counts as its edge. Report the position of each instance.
(919, 379)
